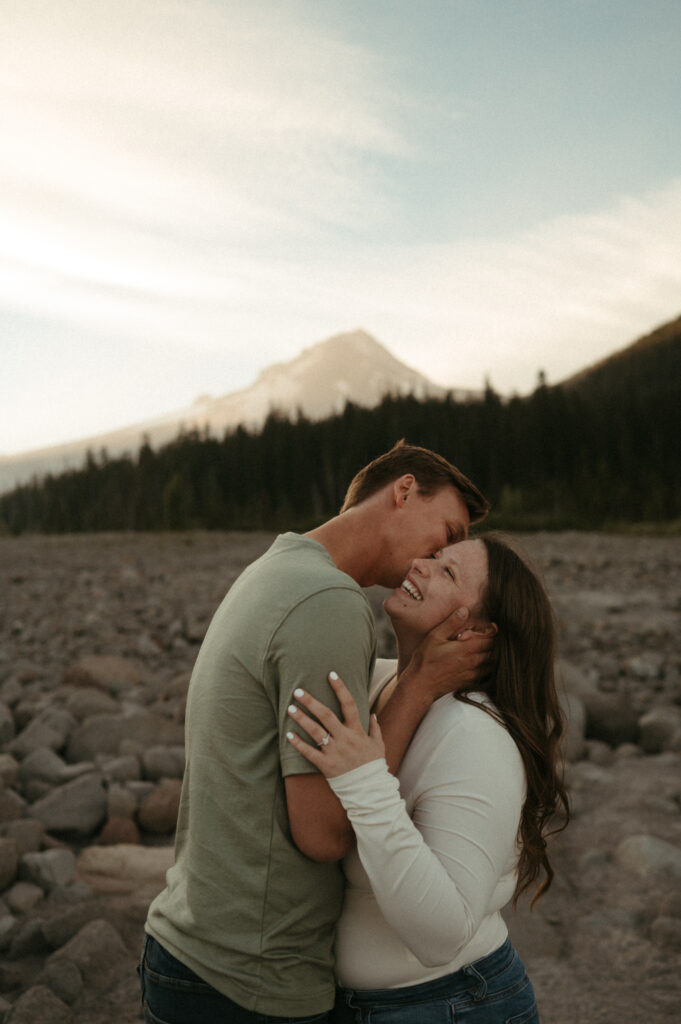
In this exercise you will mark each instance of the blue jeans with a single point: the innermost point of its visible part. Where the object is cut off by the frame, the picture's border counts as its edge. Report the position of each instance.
(172, 994)
(492, 990)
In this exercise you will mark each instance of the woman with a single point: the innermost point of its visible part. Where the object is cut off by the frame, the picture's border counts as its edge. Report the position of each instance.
(442, 850)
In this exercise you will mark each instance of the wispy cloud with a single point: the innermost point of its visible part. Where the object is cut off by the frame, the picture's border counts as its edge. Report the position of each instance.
(195, 111)
(169, 159)
(557, 298)
(218, 183)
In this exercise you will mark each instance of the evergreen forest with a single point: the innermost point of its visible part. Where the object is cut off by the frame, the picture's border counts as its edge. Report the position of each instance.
(596, 452)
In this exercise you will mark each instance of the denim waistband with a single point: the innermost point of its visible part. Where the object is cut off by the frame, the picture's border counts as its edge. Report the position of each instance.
(449, 985)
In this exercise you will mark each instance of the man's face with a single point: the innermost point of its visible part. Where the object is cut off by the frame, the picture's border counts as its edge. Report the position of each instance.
(421, 526)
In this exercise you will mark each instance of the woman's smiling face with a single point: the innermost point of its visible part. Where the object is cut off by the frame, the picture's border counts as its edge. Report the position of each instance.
(435, 587)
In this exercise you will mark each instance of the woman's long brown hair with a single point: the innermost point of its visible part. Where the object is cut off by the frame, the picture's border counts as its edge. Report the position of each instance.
(521, 685)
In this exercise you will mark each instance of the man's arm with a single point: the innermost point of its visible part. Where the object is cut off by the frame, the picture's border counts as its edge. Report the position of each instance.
(319, 824)
(332, 628)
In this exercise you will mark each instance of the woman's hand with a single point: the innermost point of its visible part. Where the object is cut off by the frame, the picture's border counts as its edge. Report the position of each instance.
(339, 746)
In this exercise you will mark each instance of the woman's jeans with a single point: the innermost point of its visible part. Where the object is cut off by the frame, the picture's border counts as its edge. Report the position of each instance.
(493, 990)
(172, 994)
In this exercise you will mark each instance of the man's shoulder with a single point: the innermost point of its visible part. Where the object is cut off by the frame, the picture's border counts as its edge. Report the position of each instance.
(299, 567)
(295, 578)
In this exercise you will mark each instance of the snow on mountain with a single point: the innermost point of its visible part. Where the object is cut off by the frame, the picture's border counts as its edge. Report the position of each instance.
(347, 367)
(319, 382)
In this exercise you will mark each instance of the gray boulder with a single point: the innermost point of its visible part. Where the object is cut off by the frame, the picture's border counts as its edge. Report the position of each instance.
(83, 703)
(9, 926)
(121, 802)
(599, 753)
(59, 930)
(648, 665)
(571, 679)
(107, 672)
(103, 734)
(163, 762)
(44, 765)
(610, 717)
(78, 806)
(94, 950)
(666, 932)
(27, 832)
(50, 728)
(6, 725)
(11, 691)
(27, 940)
(96, 735)
(48, 868)
(123, 768)
(9, 862)
(627, 751)
(660, 730)
(24, 896)
(9, 770)
(12, 806)
(39, 1005)
(650, 857)
(64, 979)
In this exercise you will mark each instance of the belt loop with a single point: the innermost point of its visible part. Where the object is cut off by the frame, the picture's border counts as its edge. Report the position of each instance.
(349, 1000)
(481, 990)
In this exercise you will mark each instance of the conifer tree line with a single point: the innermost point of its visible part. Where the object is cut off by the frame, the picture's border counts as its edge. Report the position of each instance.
(586, 456)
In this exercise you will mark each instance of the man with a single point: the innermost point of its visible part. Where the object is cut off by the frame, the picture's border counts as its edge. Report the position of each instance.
(243, 931)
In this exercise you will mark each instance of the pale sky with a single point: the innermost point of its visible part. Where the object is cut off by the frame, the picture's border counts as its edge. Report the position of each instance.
(191, 190)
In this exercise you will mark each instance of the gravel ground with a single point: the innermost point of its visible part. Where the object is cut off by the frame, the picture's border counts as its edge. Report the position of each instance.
(605, 945)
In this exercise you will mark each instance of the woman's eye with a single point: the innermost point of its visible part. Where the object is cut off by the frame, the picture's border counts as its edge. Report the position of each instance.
(451, 575)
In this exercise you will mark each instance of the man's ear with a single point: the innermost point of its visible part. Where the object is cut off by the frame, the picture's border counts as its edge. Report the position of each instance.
(403, 487)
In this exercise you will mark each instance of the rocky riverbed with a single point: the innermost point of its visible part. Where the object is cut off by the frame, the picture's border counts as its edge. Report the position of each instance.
(99, 634)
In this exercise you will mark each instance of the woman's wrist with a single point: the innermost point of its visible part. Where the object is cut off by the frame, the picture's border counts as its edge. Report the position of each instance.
(359, 774)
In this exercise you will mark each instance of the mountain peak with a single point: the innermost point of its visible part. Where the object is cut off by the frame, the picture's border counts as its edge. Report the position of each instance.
(358, 340)
(351, 366)
(348, 345)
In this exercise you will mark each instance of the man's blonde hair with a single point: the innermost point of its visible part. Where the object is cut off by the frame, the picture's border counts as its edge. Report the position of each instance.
(431, 472)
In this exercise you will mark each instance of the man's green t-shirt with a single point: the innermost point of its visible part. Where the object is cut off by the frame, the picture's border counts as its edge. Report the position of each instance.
(243, 908)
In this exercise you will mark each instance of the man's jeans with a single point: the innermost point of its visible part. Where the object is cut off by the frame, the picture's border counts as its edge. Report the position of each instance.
(172, 994)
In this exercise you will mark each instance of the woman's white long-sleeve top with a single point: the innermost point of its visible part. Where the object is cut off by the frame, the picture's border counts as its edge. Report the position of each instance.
(436, 855)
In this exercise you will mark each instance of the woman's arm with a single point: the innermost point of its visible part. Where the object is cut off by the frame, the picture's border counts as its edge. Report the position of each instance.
(448, 658)
(432, 877)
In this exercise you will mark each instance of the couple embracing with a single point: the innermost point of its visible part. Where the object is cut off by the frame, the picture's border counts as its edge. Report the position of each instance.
(350, 829)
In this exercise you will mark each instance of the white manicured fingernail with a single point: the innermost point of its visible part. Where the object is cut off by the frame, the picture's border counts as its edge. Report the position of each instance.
(299, 693)
(292, 709)
(289, 735)
(333, 675)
